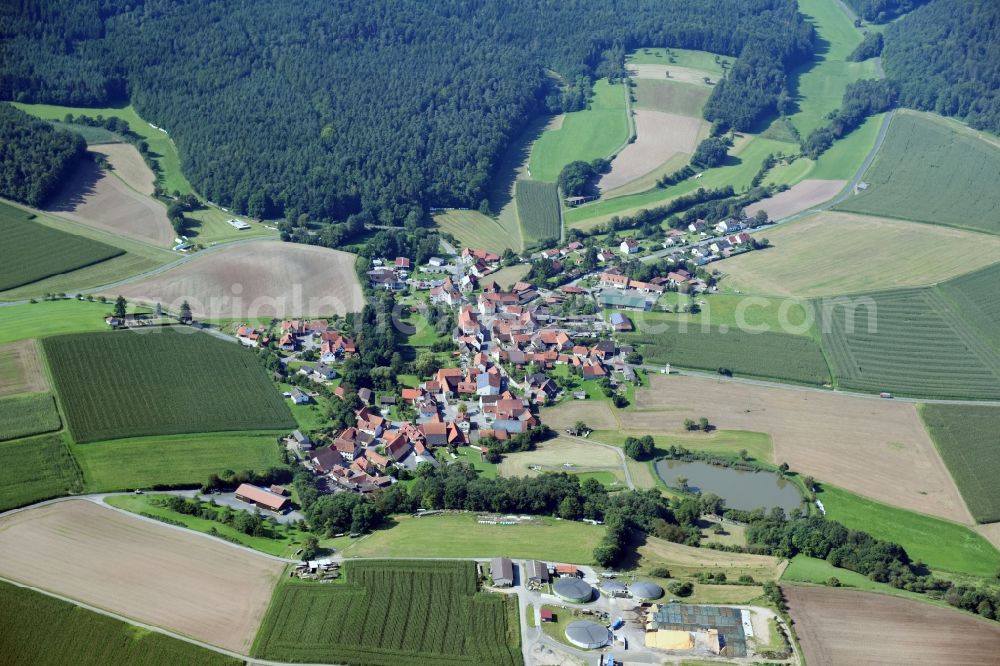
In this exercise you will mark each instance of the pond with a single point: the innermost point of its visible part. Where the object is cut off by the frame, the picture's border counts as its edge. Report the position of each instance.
(740, 489)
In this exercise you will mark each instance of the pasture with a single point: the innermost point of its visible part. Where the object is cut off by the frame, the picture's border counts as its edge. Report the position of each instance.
(36, 469)
(688, 561)
(209, 225)
(685, 58)
(24, 415)
(159, 142)
(158, 575)
(778, 315)
(771, 355)
(538, 209)
(876, 448)
(837, 626)
(127, 164)
(19, 323)
(39, 629)
(21, 369)
(460, 535)
(176, 460)
(723, 443)
(561, 454)
(160, 382)
(831, 254)
(256, 280)
(31, 251)
(473, 229)
(94, 197)
(819, 85)
(799, 197)
(966, 438)
(935, 171)
(940, 544)
(390, 613)
(912, 342)
(597, 131)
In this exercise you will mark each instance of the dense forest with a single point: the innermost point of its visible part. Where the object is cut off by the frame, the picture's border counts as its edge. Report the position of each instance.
(333, 107)
(882, 11)
(34, 157)
(946, 58)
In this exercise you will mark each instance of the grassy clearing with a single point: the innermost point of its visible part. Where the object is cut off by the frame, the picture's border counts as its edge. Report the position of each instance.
(913, 342)
(159, 382)
(36, 469)
(39, 629)
(21, 416)
(584, 135)
(966, 438)
(459, 535)
(940, 544)
(831, 254)
(685, 99)
(473, 229)
(474, 459)
(179, 460)
(935, 171)
(702, 60)
(792, 358)
(820, 84)
(387, 613)
(802, 569)
(846, 156)
(284, 543)
(159, 143)
(727, 443)
(38, 320)
(92, 135)
(538, 209)
(211, 226)
(32, 252)
(508, 276)
(688, 561)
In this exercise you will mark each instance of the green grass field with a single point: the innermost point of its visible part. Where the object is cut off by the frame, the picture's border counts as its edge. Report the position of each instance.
(177, 460)
(36, 469)
(802, 569)
(32, 252)
(160, 382)
(24, 415)
(912, 342)
(41, 630)
(820, 84)
(939, 544)
(90, 134)
(459, 535)
(38, 320)
(792, 358)
(976, 298)
(966, 438)
(732, 310)
(702, 60)
(935, 171)
(387, 613)
(211, 226)
(159, 142)
(538, 209)
(473, 229)
(726, 443)
(585, 135)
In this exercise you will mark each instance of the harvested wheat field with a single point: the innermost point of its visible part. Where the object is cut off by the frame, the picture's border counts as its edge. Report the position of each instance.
(597, 414)
(256, 280)
(21, 369)
(659, 137)
(838, 626)
(830, 254)
(684, 560)
(991, 531)
(127, 164)
(799, 197)
(156, 574)
(876, 448)
(677, 73)
(97, 199)
(555, 454)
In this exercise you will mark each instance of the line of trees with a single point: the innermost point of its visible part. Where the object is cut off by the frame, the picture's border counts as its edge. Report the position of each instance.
(862, 99)
(35, 158)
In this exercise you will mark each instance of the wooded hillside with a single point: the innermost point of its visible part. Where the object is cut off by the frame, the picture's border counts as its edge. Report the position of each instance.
(333, 107)
(34, 157)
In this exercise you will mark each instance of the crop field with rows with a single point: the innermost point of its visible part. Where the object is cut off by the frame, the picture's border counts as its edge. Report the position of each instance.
(538, 208)
(38, 629)
(158, 382)
(916, 342)
(389, 613)
(31, 251)
(25, 415)
(770, 355)
(36, 469)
